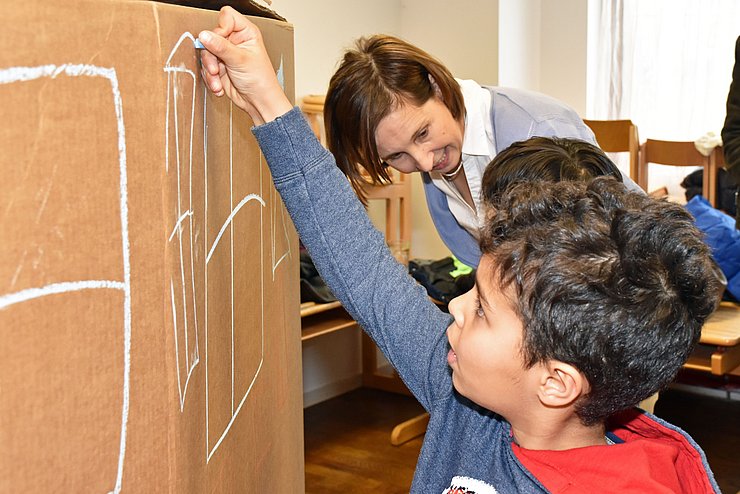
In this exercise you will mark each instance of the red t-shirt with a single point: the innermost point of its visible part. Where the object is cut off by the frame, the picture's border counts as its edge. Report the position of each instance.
(653, 458)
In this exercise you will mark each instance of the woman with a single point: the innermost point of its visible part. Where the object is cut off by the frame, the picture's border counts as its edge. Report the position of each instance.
(390, 104)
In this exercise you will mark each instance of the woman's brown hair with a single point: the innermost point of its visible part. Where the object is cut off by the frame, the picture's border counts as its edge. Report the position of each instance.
(379, 74)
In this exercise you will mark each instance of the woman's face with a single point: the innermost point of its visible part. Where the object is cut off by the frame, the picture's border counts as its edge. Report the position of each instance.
(420, 138)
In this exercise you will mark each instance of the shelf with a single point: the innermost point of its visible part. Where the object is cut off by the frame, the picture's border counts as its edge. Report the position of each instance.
(311, 308)
(320, 319)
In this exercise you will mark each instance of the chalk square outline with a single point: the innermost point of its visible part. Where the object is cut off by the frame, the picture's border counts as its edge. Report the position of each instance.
(30, 73)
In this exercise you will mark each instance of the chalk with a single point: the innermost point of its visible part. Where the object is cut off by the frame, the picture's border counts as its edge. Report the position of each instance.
(199, 45)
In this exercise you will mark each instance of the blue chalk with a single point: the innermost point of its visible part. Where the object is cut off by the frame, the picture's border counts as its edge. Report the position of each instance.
(199, 45)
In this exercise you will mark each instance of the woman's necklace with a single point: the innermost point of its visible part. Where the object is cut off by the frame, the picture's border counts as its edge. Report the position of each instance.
(451, 175)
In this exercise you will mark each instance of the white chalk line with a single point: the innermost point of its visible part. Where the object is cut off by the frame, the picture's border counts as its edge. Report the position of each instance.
(247, 198)
(205, 247)
(179, 222)
(175, 93)
(231, 235)
(196, 349)
(57, 288)
(235, 411)
(183, 392)
(173, 87)
(238, 409)
(183, 37)
(177, 350)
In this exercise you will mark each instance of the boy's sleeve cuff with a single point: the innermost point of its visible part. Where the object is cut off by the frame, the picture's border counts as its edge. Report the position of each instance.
(288, 143)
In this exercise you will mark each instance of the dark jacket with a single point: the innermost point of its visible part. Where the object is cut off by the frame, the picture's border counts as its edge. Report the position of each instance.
(731, 129)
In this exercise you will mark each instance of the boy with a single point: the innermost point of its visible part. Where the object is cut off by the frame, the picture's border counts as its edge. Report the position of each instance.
(588, 299)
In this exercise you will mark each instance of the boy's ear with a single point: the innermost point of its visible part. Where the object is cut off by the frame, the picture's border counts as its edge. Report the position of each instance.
(561, 384)
(435, 86)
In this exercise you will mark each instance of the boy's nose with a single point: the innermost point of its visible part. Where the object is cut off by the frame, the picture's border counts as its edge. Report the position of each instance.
(455, 309)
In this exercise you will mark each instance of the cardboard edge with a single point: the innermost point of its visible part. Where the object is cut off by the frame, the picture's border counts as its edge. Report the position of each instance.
(246, 7)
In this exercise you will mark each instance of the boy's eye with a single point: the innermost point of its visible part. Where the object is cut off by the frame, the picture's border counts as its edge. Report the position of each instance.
(479, 309)
(423, 133)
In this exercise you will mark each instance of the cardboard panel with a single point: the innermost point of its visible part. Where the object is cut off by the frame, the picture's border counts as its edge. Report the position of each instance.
(148, 271)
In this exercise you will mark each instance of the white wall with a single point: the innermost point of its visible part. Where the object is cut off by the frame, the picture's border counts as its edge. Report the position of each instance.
(543, 48)
(563, 53)
(464, 35)
(325, 28)
(519, 49)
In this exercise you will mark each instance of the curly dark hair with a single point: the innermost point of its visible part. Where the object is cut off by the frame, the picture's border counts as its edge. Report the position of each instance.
(613, 282)
(545, 158)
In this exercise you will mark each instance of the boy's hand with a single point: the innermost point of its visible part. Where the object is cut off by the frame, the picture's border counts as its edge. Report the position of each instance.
(236, 63)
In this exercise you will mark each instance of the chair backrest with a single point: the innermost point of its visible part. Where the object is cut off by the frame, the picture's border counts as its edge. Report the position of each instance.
(678, 153)
(618, 136)
(313, 109)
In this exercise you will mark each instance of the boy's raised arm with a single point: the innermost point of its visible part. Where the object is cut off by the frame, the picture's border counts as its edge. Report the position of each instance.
(348, 251)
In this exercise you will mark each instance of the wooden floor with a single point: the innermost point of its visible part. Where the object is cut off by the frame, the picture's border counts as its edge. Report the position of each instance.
(348, 445)
(348, 440)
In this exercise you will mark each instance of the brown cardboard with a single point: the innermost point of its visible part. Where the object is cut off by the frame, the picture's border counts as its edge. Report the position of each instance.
(139, 225)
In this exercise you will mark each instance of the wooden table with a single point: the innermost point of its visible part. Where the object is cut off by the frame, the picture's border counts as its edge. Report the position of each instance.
(718, 351)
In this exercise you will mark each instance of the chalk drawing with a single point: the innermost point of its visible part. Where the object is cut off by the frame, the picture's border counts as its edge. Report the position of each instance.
(181, 232)
(181, 229)
(184, 217)
(177, 75)
(278, 230)
(227, 223)
(236, 402)
(24, 74)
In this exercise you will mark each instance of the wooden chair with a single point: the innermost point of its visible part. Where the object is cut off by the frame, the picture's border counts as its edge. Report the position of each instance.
(678, 153)
(618, 136)
(313, 108)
